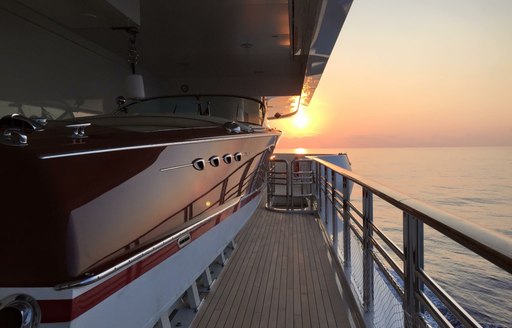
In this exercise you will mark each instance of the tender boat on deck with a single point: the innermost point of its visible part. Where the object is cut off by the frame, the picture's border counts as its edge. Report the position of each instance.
(150, 175)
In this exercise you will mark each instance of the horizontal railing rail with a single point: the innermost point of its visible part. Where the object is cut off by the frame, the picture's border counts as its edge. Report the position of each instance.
(402, 267)
(491, 246)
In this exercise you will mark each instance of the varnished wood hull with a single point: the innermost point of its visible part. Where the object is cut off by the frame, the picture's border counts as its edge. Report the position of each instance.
(74, 210)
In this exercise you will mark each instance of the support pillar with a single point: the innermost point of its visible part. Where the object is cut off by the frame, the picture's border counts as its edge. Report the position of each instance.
(221, 259)
(193, 297)
(206, 278)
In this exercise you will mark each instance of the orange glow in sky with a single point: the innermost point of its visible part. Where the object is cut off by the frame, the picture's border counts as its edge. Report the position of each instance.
(413, 74)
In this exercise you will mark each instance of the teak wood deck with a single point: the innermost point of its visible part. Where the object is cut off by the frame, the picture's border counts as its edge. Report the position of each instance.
(279, 276)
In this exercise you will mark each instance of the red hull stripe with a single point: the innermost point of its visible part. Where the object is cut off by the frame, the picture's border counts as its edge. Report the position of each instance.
(67, 310)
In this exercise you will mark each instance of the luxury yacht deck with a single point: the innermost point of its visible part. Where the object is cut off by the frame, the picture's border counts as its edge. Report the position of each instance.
(279, 276)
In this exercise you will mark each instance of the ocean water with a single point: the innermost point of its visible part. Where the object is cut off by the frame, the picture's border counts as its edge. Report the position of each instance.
(472, 183)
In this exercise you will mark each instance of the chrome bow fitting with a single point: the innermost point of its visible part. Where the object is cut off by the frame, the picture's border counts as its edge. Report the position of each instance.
(16, 127)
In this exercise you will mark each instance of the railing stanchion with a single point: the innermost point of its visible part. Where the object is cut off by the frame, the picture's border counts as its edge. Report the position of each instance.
(291, 183)
(346, 224)
(270, 181)
(287, 179)
(325, 196)
(414, 260)
(334, 219)
(367, 249)
(317, 186)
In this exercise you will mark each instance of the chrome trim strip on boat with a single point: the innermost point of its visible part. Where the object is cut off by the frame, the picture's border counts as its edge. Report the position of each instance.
(181, 128)
(193, 141)
(153, 249)
(175, 167)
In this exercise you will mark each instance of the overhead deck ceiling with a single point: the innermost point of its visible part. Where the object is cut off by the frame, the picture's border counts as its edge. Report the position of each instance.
(257, 47)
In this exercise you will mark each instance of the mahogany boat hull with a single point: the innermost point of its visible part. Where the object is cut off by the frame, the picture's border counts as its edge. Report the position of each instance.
(75, 210)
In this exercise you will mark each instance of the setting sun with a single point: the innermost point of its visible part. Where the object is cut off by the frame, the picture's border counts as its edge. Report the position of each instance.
(305, 123)
(301, 120)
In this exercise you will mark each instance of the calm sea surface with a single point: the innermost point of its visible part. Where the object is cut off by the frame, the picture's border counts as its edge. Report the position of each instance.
(472, 183)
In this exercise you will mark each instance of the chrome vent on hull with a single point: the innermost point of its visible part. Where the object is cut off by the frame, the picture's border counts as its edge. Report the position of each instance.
(199, 164)
(228, 158)
(214, 161)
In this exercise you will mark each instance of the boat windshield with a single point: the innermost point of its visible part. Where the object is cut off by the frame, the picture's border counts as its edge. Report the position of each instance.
(246, 110)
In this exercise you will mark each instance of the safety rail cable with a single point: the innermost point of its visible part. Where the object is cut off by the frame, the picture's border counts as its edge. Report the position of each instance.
(491, 246)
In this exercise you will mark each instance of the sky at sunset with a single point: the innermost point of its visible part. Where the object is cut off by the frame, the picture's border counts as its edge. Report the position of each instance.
(413, 73)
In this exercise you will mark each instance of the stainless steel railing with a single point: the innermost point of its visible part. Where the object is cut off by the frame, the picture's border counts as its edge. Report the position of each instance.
(402, 267)
(389, 280)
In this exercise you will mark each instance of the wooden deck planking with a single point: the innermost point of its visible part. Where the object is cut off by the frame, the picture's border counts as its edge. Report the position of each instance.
(260, 318)
(303, 279)
(254, 284)
(324, 288)
(241, 301)
(316, 294)
(279, 276)
(235, 285)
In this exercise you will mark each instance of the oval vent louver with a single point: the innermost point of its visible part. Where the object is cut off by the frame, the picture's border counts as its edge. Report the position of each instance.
(184, 240)
(199, 164)
(214, 161)
(238, 156)
(228, 158)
